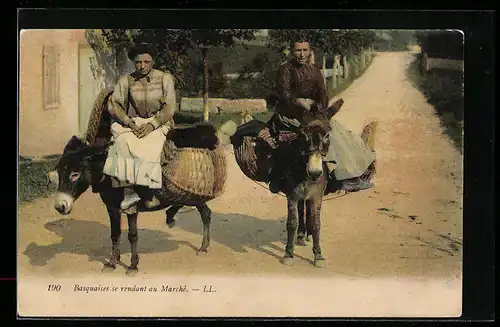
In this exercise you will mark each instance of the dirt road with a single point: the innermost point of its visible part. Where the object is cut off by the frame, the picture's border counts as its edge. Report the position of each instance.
(409, 225)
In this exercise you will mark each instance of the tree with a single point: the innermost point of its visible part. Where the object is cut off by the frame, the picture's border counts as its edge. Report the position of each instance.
(328, 41)
(205, 39)
(394, 40)
(172, 46)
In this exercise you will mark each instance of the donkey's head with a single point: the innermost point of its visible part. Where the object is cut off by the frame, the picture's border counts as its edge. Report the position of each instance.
(314, 137)
(75, 172)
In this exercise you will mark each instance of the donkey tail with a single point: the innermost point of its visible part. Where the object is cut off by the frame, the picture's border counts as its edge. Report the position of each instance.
(368, 134)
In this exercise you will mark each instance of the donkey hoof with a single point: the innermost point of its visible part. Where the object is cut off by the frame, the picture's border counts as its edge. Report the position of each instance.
(132, 272)
(287, 260)
(203, 251)
(319, 263)
(171, 223)
(108, 267)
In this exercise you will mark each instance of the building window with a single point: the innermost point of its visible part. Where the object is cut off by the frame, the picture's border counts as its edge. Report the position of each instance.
(51, 98)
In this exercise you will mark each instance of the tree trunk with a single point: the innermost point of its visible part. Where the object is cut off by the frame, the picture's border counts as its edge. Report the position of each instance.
(121, 60)
(363, 60)
(335, 71)
(346, 66)
(205, 84)
(324, 67)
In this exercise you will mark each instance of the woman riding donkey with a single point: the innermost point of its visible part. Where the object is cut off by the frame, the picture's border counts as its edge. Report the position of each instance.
(300, 87)
(142, 107)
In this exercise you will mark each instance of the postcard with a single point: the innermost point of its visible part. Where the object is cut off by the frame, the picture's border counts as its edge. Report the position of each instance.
(240, 173)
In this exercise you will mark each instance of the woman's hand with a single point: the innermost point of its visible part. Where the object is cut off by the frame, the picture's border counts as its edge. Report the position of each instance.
(144, 130)
(135, 129)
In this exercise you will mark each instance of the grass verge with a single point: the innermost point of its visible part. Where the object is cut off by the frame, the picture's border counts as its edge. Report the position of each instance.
(343, 83)
(32, 178)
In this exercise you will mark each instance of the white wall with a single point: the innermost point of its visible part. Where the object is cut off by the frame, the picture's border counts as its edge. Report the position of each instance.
(42, 131)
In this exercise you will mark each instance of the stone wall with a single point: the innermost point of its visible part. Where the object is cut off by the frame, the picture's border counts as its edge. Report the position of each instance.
(440, 63)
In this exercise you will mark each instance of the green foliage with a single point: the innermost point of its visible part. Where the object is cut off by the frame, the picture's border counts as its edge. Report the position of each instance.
(442, 44)
(256, 79)
(171, 45)
(394, 40)
(326, 40)
(355, 70)
(249, 85)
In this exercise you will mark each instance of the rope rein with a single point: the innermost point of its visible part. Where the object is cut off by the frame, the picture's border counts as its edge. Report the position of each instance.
(344, 193)
(279, 194)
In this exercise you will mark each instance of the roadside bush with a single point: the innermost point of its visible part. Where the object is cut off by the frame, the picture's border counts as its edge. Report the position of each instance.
(444, 91)
(33, 178)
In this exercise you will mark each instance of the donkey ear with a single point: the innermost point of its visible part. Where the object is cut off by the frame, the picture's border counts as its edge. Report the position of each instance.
(337, 104)
(334, 108)
(75, 139)
(74, 143)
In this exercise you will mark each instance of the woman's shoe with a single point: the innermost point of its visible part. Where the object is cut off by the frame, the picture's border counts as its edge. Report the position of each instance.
(130, 198)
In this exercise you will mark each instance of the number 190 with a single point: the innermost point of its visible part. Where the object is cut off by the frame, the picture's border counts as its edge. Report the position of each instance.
(54, 288)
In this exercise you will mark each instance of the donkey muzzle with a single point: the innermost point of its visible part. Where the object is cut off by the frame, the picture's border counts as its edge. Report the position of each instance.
(63, 203)
(315, 166)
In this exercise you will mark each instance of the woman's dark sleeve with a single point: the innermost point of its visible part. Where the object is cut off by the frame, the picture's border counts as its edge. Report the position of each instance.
(284, 88)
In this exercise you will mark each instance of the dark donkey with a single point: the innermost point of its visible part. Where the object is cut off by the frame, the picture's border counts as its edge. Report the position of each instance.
(81, 166)
(306, 179)
(300, 159)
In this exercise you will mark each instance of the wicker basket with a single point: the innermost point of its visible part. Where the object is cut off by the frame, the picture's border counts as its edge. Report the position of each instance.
(254, 158)
(193, 175)
(95, 116)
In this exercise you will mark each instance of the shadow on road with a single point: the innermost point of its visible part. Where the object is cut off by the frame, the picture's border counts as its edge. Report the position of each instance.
(93, 239)
(236, 231)
(239, 232)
